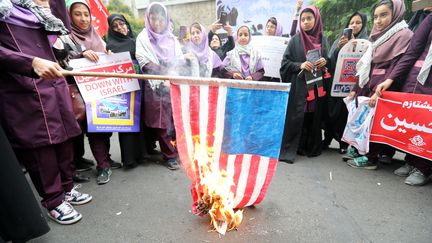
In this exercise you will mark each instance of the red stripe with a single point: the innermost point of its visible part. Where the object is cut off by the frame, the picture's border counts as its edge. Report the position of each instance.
(237, 169)
(251, 180)
(270, 172)
(180, 134)
(223, 161)
(212, 113)
(194, 101)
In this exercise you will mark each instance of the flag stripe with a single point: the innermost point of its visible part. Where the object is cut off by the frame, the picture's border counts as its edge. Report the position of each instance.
(260, 180)
(242, 168)
(250, 181)
(270, 173)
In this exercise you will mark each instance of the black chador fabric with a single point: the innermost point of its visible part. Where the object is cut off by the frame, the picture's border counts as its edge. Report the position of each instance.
(21, 218)
(118, 42)
(335, 113)
(300, 135)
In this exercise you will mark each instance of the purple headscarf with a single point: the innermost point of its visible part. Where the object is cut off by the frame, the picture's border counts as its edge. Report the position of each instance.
(163, 43)
(279, 28)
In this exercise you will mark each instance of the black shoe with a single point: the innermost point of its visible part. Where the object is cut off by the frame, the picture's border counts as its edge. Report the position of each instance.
(130, 166)
(80, 167)
(80, 178)
(287, 161)
(115, 165)
(83, 160)
(172, 164)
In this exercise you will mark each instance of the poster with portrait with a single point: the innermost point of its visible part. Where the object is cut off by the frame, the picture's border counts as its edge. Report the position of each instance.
(271, 49)
(255, 13)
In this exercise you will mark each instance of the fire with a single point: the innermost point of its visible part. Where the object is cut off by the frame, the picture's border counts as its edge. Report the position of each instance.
(216, 199)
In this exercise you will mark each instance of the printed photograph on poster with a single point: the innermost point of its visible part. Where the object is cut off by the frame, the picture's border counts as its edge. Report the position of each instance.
(93, 88)
(255, 13)
(345, 76)
(271, 49)
(120, 113)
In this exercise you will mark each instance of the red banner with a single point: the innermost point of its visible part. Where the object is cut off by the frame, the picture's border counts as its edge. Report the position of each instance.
(99, 14)
(404, 121)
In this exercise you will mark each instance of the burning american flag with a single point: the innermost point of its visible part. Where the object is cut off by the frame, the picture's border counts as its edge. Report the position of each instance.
(228, 138)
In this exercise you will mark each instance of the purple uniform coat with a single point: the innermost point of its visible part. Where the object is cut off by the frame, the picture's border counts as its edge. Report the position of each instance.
(34, 112)
(407, 69)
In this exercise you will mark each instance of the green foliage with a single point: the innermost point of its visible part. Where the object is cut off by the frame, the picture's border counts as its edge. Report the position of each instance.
(335, 14)
(118, 7)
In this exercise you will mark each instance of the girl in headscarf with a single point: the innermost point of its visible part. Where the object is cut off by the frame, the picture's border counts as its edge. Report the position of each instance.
(158, 52)
(215, 41)
(337, 112)
(87, 43)
(413, 73)
(273, 28)
(390, 38)
(302, 133)
(201, 57)
(40, 123)
(244, 62)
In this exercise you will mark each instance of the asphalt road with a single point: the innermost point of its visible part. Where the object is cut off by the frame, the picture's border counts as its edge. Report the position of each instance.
(314, 200)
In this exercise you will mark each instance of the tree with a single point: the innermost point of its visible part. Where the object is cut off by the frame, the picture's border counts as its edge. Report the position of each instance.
(118, 7)
(335, 14)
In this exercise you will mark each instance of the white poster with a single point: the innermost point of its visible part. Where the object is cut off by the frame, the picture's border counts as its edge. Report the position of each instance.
(271, 49)
(345, 76)
(93, 88)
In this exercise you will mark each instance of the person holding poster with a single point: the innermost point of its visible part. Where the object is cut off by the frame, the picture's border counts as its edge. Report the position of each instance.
(121, 39)
(87, 40)
(201, 60)
(337, 113)
(390, 38)
(413, 73)
(158, 52)
(244, 62)
(302, 132)
(36, 110)
(216, 43)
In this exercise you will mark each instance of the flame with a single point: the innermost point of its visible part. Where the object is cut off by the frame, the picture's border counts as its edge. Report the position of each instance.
(216, 198)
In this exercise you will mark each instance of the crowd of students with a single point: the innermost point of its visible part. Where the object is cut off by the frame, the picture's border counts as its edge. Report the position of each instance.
(51, 146)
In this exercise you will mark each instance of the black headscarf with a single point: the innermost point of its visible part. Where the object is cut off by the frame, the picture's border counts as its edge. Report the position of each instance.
(361, 35)
(118, 42)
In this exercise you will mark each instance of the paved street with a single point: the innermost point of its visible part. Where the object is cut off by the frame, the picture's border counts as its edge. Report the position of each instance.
(314, 200)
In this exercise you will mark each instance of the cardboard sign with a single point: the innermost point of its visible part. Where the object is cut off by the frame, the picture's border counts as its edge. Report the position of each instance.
(404, 121)
(345, 74)
(93, 88)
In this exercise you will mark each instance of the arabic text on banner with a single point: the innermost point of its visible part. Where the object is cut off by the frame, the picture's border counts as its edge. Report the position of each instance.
(404, 121)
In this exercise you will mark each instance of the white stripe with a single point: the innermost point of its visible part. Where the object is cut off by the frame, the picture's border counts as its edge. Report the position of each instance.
(220, 118)
(185, 109)
(242, 182)
(260, 179)
(230, 166)
(203, 121)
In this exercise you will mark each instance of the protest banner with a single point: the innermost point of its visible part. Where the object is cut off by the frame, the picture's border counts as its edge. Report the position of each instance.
(271, 49)
(345, 74)
(93, 88)
(404, 121)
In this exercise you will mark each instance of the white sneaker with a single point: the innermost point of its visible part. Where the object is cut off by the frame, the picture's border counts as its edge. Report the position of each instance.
(77, 198)
(64, 214)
